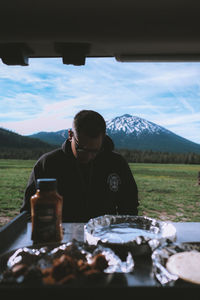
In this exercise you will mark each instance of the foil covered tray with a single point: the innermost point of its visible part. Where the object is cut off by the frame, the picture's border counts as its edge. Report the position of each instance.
(138, 235)
(73, 264)
(160, 257)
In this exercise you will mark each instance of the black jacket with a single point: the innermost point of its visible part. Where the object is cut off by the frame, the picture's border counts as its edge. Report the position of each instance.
(104, 186)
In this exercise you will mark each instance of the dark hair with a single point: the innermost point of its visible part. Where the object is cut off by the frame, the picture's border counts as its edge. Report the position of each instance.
(89, 122)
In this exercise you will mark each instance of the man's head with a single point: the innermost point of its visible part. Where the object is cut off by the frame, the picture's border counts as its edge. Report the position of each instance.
(87, 135)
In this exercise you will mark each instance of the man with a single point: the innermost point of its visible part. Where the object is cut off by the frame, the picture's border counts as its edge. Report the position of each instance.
(92, 178)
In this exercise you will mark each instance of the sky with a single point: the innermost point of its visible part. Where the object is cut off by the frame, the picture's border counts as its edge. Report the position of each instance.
(46, 95)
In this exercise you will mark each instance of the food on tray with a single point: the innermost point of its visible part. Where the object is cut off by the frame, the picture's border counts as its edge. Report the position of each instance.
(66, 269)
(186, 265)
(64, 266)
(75, 262)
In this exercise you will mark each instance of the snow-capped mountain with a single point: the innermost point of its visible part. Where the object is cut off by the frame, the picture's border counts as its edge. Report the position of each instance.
(132, 132)
(133, 125)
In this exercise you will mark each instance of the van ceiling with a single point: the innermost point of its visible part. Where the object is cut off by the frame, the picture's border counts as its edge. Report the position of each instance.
(129, 30)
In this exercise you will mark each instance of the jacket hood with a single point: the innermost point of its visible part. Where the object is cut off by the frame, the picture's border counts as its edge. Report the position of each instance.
(108, 145)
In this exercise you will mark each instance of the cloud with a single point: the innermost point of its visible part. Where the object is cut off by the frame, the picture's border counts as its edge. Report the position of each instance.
(47, 94)
(187, 105)
(181, 120)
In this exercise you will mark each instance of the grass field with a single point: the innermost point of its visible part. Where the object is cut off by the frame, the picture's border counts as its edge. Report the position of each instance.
(166, 191)
(13, 179)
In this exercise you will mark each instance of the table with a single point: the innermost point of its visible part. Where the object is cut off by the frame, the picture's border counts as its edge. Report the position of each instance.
(186, 232)
(141, 281)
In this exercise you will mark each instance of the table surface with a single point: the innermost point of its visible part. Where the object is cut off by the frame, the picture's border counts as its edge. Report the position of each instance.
(186, 232)
(142, 275)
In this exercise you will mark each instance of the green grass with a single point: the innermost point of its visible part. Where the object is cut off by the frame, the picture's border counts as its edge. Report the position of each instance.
(166, 191)
(13, 179)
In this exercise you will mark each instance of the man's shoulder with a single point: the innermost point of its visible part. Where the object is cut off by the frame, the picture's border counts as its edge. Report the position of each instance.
(51, 155)
(115, 156)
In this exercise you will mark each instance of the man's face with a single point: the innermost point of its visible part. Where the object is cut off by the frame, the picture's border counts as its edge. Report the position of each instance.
(86, 148)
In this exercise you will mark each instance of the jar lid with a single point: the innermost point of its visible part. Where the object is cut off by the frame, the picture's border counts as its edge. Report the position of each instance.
(46, 184)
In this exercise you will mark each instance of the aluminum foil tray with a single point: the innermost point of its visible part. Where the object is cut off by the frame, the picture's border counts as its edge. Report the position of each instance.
(30, 263)
(160, 257)
(138, 235)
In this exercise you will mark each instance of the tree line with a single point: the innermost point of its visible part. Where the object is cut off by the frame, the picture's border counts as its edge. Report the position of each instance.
(149, 156)
(21, 153)
(132, 156)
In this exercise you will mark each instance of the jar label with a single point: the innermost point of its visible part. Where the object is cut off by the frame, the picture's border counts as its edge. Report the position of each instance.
(45, 223)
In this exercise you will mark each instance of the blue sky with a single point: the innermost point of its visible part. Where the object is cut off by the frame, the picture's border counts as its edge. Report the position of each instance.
(45, 95)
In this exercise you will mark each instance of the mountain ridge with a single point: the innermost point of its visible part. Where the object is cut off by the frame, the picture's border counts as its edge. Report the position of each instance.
(11, 139)
(133, 133)
(146, 135)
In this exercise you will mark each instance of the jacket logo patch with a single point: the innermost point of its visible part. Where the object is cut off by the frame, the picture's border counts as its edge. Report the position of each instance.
(113, 182)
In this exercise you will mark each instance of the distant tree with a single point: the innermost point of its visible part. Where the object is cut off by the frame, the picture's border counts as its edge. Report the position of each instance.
(149, 156)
